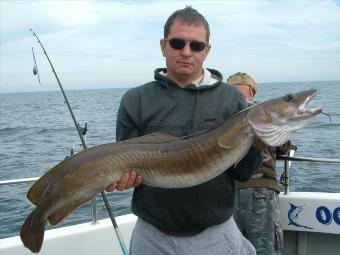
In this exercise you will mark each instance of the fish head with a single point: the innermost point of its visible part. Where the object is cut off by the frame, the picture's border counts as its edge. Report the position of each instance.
(273, 121)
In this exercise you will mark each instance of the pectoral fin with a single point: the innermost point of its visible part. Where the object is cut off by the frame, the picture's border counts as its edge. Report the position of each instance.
(228, 142)
(270, 134)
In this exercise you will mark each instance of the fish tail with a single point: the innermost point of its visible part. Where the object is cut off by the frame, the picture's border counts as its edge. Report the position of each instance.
(32, 232)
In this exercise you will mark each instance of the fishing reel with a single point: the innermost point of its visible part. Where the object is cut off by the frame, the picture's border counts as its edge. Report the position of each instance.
(283, 178)
(83, 131)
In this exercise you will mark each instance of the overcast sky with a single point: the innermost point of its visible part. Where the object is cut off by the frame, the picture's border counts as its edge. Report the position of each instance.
(108, 44)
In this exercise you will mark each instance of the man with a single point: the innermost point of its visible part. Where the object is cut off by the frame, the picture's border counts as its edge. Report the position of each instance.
(257, 214)
(184, 98)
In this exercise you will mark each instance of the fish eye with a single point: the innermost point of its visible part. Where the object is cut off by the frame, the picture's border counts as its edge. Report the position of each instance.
(289, 97)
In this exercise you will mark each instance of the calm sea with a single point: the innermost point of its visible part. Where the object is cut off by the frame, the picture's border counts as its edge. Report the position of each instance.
(37, 132)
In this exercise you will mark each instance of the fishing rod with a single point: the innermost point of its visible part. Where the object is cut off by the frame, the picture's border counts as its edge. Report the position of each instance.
(79, 130)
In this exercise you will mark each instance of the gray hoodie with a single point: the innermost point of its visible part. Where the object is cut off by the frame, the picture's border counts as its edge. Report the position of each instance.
(163, 106)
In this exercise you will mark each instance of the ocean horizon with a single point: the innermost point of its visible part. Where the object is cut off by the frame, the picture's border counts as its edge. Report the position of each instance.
(55, 87)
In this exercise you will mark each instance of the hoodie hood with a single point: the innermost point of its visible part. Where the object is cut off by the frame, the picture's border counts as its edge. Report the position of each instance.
(209, 80)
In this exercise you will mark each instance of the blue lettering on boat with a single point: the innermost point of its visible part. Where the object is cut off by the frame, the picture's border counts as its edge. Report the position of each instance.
(325, 216)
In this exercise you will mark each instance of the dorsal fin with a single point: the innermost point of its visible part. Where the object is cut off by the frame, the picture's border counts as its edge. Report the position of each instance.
(153, 138)
(34, 193)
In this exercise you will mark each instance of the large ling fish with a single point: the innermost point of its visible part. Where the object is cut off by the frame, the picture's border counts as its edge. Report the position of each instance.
(162, 160)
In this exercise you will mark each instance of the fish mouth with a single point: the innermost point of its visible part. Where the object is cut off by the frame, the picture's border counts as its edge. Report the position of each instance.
(303, 111)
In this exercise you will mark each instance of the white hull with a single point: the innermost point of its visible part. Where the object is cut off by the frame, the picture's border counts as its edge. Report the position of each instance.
(311, 227)
(311, 223)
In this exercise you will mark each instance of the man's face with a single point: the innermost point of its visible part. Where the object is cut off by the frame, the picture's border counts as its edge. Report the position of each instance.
(247, 91)
(184, 64)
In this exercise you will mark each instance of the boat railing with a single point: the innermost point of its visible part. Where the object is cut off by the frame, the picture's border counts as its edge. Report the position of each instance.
(286, 177)
(289, 159)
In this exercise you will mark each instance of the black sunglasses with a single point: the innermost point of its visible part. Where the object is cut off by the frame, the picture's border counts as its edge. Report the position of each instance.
(179, 44)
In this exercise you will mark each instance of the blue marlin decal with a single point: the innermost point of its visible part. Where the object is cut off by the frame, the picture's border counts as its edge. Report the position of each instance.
(293, 216)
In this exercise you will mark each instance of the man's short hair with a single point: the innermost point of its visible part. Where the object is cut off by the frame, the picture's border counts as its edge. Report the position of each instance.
(189, 16)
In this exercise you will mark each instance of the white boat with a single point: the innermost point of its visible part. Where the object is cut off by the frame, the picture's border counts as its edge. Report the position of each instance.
(311, 223)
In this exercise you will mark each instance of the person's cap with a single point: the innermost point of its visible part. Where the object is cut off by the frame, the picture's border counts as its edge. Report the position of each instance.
(242, 79)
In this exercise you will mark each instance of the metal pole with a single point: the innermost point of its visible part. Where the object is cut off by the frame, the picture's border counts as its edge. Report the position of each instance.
(94, 210)
(107, 205)
(308, 159)
(286, 172)
(286, 178)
